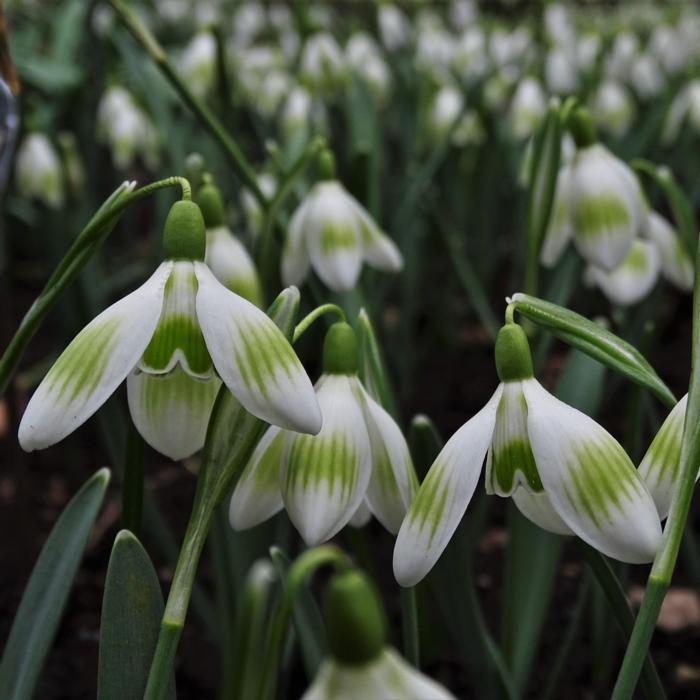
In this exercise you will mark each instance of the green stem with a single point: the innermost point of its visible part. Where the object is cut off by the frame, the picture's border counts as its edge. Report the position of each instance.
(207, 118)
(313, 316)
(132, 487)
(299, 573)
(665, 562)
(97, 229)
(409, 617)
(624, 617)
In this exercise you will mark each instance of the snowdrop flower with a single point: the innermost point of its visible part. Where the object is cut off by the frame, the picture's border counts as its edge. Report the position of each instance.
(613, 108)
(271, 92)
(676, 264)
(251, 207)
(561, 77)
(587, 50)
(363, 56)
(197, 63)
(225, 255)
(434, 53)
(463, 13)
(360, 664)
(394, 28)
(447, 105)
(684, 108)
(607, 206)
(248, 22)
(322, 65)
(296, 114)
(173, 339)
(560, 229)
(332, 232)
(624, 53)
(564, 471)
(469, 57)
(38, 170)
(558, 25)
(661, 463)
(359, 456)
(646, 76)
(634, 278)
(528, 107)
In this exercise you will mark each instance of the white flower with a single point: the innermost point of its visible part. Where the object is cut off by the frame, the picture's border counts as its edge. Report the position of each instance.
(607, 206)
(332, 231)
(296, 113)
(394, 28)
(527, 108)
(560, 229)
(613, 108)
(587, 49)
(565, 472)
(388, 677)
(634, 277)
(646, 76)
(684, 108)
(360, 456)
(624, 52)
(322, 65)
(38, 170)
(197, 63)
(560, 71)
(676, 264)
(463, 13)
(174, 338)
(364, 57)
(469, 56)
(446, 107)
(251, 208)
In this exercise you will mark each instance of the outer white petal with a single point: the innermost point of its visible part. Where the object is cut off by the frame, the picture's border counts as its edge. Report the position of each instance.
(95, 363)
(676, 264)
(393, 484)
(172, 411)
(232, 265)
(538, 508)
(389, 677)
(257, 495)
(253, 358)
(560, 230)
(634, 278)
(606, 208)
(325, 478)
(590, 480)
(443, 496)
(295, 258)
(659, 468)
(333, 237)
(362, 516)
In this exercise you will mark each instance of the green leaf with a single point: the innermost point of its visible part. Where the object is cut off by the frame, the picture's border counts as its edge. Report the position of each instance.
(680, 205)
(372, 366)
(593, 340)
(46, 593)
(545, 169)
(131, 610)
(424, 442)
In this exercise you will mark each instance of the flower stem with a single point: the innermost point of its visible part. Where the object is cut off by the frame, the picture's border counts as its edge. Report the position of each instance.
(409, 617)
(82, 249)
(313, 316)
(207, 118)
(665, 562)
(132, 486)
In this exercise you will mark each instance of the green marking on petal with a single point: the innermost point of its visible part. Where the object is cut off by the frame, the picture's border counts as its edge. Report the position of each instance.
(594, 216)
(334, 238)
(661, 462)
(266, 473)
(636, 260)
(429, 505)
(79, 370)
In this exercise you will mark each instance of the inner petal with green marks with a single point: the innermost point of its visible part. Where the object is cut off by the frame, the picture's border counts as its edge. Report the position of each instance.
(178, 339)
(599, 215)
(510, 461)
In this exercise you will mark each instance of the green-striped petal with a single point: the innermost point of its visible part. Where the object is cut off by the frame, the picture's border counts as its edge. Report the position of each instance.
(590, 480)
(171, 411)
(95, 363)
(295, 258)
(257, 495)
(393, 484)
(443, 496)
(659, 468)
(178, 339)
(232, 265)
(325, 478)
(510, 462)
(253, 358)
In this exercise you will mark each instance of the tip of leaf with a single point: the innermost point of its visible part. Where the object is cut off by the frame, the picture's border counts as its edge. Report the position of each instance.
(104, 475)
(124, 536)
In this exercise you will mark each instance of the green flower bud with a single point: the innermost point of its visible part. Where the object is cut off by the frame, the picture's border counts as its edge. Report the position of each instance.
(209, 200)
(184, 234)
(340, 350)
(582, 128)
(513, 359)
(326, 165)
(354, 619)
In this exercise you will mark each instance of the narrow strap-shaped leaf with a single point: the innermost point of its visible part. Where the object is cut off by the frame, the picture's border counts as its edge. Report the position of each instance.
(680, 206)
(593, 340)
(132, 606)
(46, 593)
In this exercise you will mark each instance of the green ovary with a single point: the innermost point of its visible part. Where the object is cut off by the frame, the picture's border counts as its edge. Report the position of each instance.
(595, 216)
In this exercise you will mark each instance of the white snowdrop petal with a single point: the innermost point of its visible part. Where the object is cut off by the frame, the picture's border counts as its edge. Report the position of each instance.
(295, 258)
(590, 480)
(560, 230)
(538, 508)
(443, 496)
(676, 264)
(95, 363)
(362, 516)
(253, 358)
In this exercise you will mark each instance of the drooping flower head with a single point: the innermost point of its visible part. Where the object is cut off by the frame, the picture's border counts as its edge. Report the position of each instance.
(359, 456)
(360, 664)
(332, 231)
(564, 471)
(174, 339)
(38, 170)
